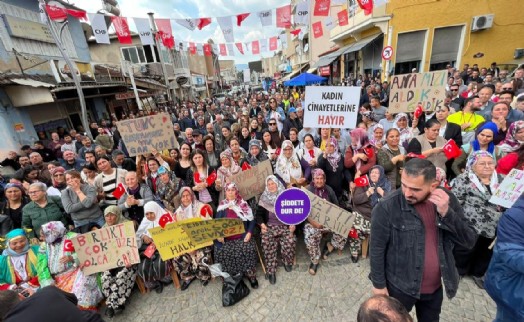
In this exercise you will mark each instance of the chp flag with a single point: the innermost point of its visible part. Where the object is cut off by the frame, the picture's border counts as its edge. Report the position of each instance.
(331, 106)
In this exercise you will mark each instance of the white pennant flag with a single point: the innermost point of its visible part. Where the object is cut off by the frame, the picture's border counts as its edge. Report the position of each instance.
(301, 16)
(263, 45)
(215, 49)
(266, 17)
(190, 24)
(301, 34)
(230, 49)
(283, 40)
(338, 2)
(329, 22)
(200, 49)
(98, 23)
(247, 46)
(43, 15)
(226, 24)
(144, 31)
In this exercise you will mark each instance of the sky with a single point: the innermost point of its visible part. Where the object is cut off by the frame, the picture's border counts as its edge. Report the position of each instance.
(250, 30)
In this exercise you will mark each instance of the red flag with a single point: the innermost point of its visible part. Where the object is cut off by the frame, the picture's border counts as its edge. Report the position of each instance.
(366, 5)
(207, 50)
(122, 30)
(343, 18)
(240, 47)
(192, 48)
(150, 250)
(295, 32)
(322, 8)
(246, 166)
(312, 153)
(241, 17)
(119, 191)
(56, 13)
(317, 29)
(273, 43)
(284, 16)
(451, 149)
(362, 181)
(165, 219)
(166, 32)
(353, 233)
(68, 245)
(418, 111)
(196, 177)
(277, 152)
(369, 151)
(211, 178)
(80, 14)
(414, 155)
(255, 47)
(223, 49)
(202, 22)
(206, 211)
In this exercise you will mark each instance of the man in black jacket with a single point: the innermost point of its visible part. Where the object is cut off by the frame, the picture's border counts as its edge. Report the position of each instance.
(413, 232)
(120, 161)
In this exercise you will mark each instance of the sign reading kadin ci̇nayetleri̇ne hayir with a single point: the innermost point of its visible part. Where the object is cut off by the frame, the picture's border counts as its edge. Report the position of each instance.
(411, 90)
(331, 107)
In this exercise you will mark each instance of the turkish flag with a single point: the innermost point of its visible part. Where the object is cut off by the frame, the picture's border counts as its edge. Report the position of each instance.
(68, 245)
(353, 233)
(322, 8)
(362, 181)
(317, 29)
(343, 18)
(366, 5)
(82, 15)
(211, 178)
(246, 166)
(165, 219)
(240, 47)
(166, 32)
(207, 50)
(119, 191)
(277, 152)
(418, 111)
(273, 43)
(192, 48)
(414, 155)
(369, 151)
(241, 17)
(196, 177)
(295, 32)
(122, 29)
(451, 149)
(202, 22)
(283, 15)
(150, 250)
(206, 211)
(56, 13)
(223, 49)
(255, 47)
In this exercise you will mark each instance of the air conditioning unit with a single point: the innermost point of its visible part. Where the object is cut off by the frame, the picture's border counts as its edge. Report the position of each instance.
(482, 22)
(519, 53)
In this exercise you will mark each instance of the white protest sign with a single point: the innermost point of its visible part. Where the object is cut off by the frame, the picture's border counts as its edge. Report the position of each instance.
(509, 190)
(331, 107)
(410, 90)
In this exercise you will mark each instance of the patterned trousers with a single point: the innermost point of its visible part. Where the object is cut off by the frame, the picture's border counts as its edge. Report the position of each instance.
(275, 235)
(362, 228)
(313, 236)
(117, 288)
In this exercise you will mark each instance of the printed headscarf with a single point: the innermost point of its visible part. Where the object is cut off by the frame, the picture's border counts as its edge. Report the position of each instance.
(53, 231)
(359, 138)
(471, 162)
(333, 158)
(382, 182)
(288, 168)
(510, 143)
(238, 205)
(398, 118)
(487, 126)
(254, 160)
(233, 168)
(268, 199)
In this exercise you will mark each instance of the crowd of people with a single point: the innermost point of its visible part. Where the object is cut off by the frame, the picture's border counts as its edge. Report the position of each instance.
(427, 218)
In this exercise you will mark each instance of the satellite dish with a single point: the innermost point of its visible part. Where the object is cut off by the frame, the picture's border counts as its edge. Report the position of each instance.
(306, 48)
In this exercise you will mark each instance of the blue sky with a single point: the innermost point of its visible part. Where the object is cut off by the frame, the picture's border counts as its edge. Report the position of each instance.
(250, 30)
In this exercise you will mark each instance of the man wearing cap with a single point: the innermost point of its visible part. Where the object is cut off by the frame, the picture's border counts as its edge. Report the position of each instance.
(292, 121)
(197, 140)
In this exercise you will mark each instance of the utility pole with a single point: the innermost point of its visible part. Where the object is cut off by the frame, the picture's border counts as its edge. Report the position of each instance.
(164, 70)
(129, 67)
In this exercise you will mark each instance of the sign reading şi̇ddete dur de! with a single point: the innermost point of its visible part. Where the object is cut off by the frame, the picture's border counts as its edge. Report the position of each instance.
(331, 106)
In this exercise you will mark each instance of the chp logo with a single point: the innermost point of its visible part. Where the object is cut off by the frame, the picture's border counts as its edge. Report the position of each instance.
(303, 13)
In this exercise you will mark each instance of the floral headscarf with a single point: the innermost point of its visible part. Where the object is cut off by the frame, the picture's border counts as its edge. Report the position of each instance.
(57, 185)
(115, 210)
(359, 138)
(472, 161)
(333, 158)
(322, 191)
(254, 160)
(382, 182)
(372, 140)
(510, 143)
(398, 118)
(268, 199)
(53, 231)
(288, 168)
(233, 168)
(239, 205)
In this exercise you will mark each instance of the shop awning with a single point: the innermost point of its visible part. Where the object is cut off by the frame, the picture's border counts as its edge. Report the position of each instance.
(289, 76)
(312, 70)
(360, 44)
(31, 82)
(325, 60)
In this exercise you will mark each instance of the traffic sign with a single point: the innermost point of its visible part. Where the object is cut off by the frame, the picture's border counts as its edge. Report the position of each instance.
(387, 53)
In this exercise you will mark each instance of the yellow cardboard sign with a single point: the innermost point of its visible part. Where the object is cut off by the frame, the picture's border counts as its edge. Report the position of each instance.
(209, 230)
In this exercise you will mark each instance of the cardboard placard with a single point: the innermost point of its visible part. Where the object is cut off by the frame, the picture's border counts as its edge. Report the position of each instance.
(331, 106)
(143, 134)
(251, 183)
(172, 241)
(410, 90)
(329, 215)
(509, 190)
(209, 230)
(107, 248)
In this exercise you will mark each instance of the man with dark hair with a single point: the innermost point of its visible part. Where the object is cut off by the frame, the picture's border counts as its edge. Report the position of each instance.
(26, 150)
(8, 299)
(378, 110)
(120, 161)
(413, 231)
(381, 308)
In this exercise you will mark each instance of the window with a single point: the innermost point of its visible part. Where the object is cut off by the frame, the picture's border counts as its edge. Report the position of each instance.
(410, 48)
(138, 54)
(445, 47)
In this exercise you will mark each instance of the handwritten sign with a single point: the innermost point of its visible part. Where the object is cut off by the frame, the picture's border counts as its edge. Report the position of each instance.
(107, 248)
(143, 134)
(509, 190)
(329, 215)
(331, 106)
(411, 90)
(209, 230)
(172, 241)
(251, 183)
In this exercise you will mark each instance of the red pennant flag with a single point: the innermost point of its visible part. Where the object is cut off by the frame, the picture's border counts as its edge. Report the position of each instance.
(246, 166)
(223, 49)
(196, 177)
(165, 219)
(241, 17)
(362, 181)
(317, 29)
(451, 149)
(343, 19)
(295, 32)
(366, 5)
(211, 178)
(68, 245)
(202, 22)
(165, 31)
(255, 47)
(369, 151)
(312, 153)
(240, 47)
(273, 43)
(122, 30)
(277, 152)
(56, 13)
(283, 15)
(150, 250)
(207, 50)
(192, 48)
(414, 155)
(418, 111)
(80, 14)
(119, 191)
(322, 8)
(206, 211)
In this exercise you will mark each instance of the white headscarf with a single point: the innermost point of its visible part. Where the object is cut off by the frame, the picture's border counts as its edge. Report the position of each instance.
(146, 224)
(288, 168)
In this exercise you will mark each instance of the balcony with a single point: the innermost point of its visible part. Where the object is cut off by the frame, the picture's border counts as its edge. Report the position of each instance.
(359, 22)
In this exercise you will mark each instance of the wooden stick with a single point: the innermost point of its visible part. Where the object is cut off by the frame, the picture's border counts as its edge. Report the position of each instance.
(260, 258)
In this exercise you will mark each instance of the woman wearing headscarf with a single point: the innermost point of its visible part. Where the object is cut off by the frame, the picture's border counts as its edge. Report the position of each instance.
(117, 283)
(514, 138)
(226, 171)
(288, 167)
(18, 264)
(193, 265)
(377, 136)
(360, 156)
(58, 265)
(237, 254)
(58, 181)
(11, 207)
(401, 123)
(332, 162)
(153, 270)
(273, 231)
(313, 230)
(168, 188)
(473, 189)
(255, 155)
(391, 157)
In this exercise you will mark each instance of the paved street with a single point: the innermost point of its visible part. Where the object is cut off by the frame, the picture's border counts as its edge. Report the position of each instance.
(334, 294)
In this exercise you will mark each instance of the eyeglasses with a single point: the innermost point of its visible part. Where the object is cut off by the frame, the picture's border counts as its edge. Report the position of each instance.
(272, 123)
(58, 175)
(486, 164)
(454, 90)
(507, 88)
(34, 192)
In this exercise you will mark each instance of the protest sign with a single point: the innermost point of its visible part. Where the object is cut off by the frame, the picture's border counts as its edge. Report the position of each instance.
(172, 241)
(331, 106)
(107, 248)
(329, 215)
(408, 91)
(509, 190)
(143, 134)
(252, 182)
(209, 230)
(292, 206)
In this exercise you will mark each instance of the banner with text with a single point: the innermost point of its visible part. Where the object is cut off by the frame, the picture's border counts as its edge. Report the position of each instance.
(107, 248)
(329, 215)
(331, 106)
(143, 134)
(252, 182)
(511, 188)
(411, 90)
(209, 230)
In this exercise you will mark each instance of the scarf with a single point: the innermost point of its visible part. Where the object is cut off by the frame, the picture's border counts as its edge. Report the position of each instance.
(54, 231)
(333, 158)
(382, 182)
(510, 143)
(238, 205)
(268, 199)
(252, 159)
(14, 234)
(234, 168)
(359, 140)
(115, 210)
(288, 168)
(491, 146)
(472, 160)
(322, 191)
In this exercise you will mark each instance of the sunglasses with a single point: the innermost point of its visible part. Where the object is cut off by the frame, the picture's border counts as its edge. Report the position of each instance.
(272, 123)
(507, 88)
(454, 90)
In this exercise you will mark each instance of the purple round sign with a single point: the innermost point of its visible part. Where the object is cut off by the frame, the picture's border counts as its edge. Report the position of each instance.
(292, 206)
